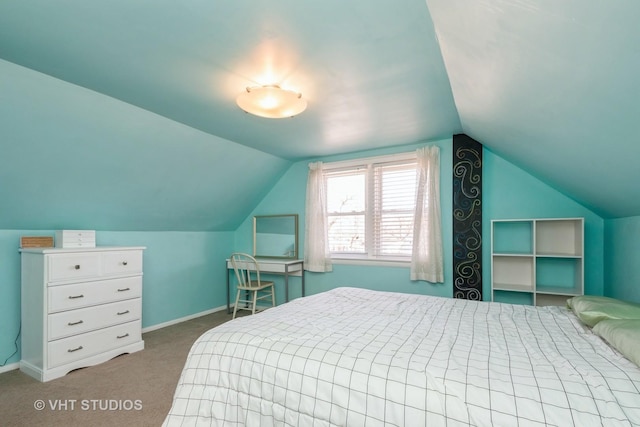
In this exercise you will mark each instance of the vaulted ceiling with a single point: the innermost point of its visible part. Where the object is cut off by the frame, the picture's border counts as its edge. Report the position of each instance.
(551, 86)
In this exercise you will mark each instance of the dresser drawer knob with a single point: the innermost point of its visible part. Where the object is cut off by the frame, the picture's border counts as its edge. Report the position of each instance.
(71, 350)
(124, 262)
(76, 296)
(124, 289)
(123, 336)
(120, 313)
(75, 323)
(77, 266)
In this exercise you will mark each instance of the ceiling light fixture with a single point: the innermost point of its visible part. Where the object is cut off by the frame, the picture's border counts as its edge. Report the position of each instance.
(271, 101)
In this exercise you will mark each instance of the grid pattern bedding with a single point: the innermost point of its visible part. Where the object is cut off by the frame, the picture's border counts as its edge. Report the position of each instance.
(355, 357)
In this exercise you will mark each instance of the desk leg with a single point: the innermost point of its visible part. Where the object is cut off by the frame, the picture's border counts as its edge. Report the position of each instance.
(302, 275)
(286, 283)
(226, 268)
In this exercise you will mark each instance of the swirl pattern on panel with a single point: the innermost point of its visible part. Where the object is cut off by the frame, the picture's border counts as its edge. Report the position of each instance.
(467, 218)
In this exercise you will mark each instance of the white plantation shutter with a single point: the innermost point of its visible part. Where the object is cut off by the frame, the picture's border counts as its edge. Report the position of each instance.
(370, 208)
(346, 194)
(386, 208)
(393, 208)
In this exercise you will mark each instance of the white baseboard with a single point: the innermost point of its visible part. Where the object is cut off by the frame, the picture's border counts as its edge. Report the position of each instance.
(11, 367)
(183, 319)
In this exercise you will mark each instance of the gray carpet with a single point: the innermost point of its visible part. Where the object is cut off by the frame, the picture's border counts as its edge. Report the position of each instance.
(129, 390)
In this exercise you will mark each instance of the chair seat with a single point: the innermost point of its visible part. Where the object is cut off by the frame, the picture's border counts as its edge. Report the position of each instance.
(255, 285)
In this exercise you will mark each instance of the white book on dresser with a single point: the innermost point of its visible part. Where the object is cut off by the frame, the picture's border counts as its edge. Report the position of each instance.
(80, 307)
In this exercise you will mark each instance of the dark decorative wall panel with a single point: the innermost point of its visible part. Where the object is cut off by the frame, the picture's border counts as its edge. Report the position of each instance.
(467, 218)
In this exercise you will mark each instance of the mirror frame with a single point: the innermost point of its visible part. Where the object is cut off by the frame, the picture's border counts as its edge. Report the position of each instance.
(295, 221)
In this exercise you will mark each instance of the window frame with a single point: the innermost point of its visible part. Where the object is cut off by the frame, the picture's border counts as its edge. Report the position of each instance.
(368, 163)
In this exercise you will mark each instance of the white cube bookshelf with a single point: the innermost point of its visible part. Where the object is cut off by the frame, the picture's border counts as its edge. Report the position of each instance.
(513, 273)
(559, 237)
(541, 257)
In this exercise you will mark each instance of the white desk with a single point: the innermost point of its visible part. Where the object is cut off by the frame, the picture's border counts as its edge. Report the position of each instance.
(285, 267)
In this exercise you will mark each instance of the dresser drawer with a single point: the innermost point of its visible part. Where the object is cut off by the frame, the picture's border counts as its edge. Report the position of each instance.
(75, 322)
(73, 266)
(121, 262)
(78, 347)
(78, 295)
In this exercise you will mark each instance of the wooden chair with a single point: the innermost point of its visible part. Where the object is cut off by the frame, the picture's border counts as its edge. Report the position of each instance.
(246, 266)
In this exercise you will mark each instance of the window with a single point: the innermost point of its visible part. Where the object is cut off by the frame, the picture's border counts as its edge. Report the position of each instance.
(370, 207)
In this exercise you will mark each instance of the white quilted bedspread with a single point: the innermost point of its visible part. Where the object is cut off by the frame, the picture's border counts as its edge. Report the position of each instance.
(355, 357)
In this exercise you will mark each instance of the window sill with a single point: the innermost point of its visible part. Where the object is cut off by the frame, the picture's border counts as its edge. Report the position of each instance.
(372, 262)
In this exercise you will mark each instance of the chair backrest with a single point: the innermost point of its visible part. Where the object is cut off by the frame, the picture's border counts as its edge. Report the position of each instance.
(243, 265)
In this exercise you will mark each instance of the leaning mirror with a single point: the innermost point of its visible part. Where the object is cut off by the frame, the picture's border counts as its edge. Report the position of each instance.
(275, 236)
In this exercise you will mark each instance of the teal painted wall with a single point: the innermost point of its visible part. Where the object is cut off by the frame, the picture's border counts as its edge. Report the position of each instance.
(288, 196)
(622, 257)
(9, 293)
(508, 192)
(94, 162)
(184, 274)
(184, 271)
(71, 158)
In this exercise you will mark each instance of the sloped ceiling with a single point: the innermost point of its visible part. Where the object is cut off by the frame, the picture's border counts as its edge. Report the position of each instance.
(551, 86)
(74, 159)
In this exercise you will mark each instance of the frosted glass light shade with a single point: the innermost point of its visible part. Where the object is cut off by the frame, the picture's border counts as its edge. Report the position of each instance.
(271, 102)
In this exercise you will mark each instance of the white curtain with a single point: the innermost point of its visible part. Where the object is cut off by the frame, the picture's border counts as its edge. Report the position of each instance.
(316, 241)
(426, 258)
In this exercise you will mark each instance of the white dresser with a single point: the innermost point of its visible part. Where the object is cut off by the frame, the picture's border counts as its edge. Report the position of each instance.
(80, 307)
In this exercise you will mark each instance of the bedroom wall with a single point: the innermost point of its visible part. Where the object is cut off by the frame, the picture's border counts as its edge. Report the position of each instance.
(509, 192)
(622, 257)
(288, 196)
(183, 276)
(73, 158)
(44, 121)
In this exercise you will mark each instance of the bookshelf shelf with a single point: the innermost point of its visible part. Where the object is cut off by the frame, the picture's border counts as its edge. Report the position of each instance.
(541, 257)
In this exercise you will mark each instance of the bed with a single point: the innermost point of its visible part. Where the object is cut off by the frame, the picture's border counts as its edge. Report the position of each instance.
(356, 357)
